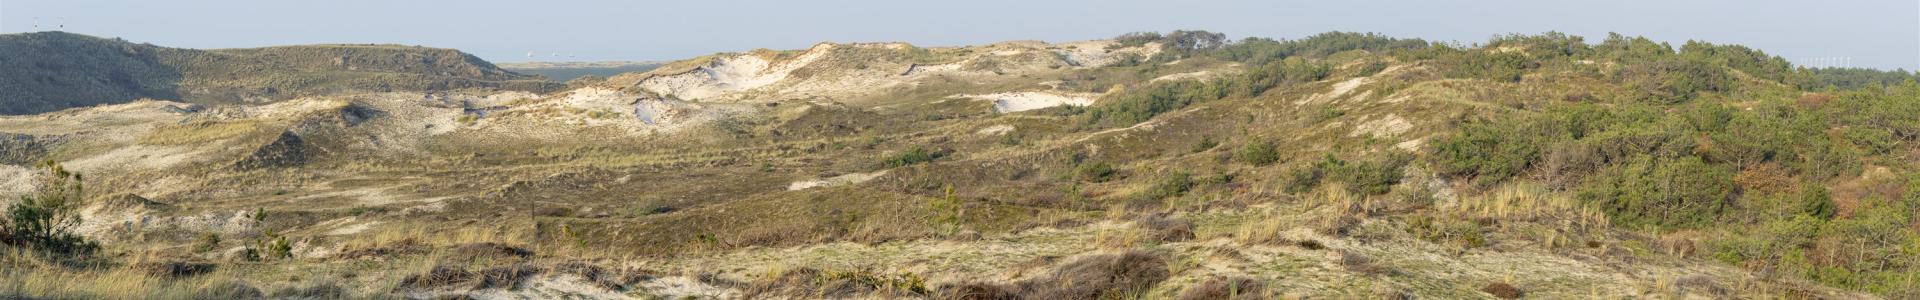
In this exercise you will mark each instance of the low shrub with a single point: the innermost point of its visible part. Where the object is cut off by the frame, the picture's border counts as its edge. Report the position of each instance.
(914, 155)
(1169, 186)
(1374, 176)
(1095, 172)
(1681, 192)
(1503, 290)
(1488, 152)
(1257, 153)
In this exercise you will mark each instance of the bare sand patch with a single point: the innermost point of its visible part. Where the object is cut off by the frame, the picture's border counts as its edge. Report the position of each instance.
(1387, 126)
(846, 179)
(996, 130)
(1025, 101)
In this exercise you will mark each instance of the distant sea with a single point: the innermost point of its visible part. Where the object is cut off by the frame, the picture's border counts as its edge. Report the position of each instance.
(569, 73)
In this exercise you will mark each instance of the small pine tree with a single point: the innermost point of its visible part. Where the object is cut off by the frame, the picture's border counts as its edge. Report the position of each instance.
(1206, 143)
(275, 245)
(1815, 201)
(44, 221)
(208, 242)
(947, 210)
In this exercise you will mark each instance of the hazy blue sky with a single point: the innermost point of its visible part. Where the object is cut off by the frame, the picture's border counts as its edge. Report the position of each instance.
(1882, 34)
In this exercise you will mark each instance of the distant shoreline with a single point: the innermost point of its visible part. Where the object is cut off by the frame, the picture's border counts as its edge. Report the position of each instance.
(575, 65)
(564, 71)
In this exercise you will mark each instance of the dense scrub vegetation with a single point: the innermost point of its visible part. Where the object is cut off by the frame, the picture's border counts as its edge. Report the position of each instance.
(1687, 144)
(1752, 166)
(1806, 172)
(1270, 63)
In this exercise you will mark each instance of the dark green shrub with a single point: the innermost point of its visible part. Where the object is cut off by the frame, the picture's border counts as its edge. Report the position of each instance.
(1625, 49)
(1486, 151)
(1760, 136)
(1817, 202)
(1257, 154)
(1823, 158)
(1324, 113)
(1095, 172)
(1011, 138)
(1496, 66)
(1566, 163)
(1753, 62)
(1172, 185)
(1141, 104)
(1259, 51)
(1374, 176)
(1371, 68)
(1547, 46)
(1677, 192)
(1850, 79)
(1871, 140)
(1674, 80)
(655, 207)
(1177, 44)
(1877, 233)
(1206, 143)
(1305, 178)
(915, 155)
(1136, 39)
(1187, 43)
(1288, 71)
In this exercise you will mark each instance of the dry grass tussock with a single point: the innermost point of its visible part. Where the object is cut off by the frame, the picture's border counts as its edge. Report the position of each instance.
(202, 132)
(1121, 275)
(809, 283)
(557, 242)
(1519, 202)
(22, 274)
(1232, 288)
(1334, 211)
(1145, 231)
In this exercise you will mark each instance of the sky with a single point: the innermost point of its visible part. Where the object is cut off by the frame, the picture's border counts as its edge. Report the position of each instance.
(1875, 34)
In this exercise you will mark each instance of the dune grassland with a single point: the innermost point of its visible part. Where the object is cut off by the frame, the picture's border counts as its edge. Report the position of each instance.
(1179, 165)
